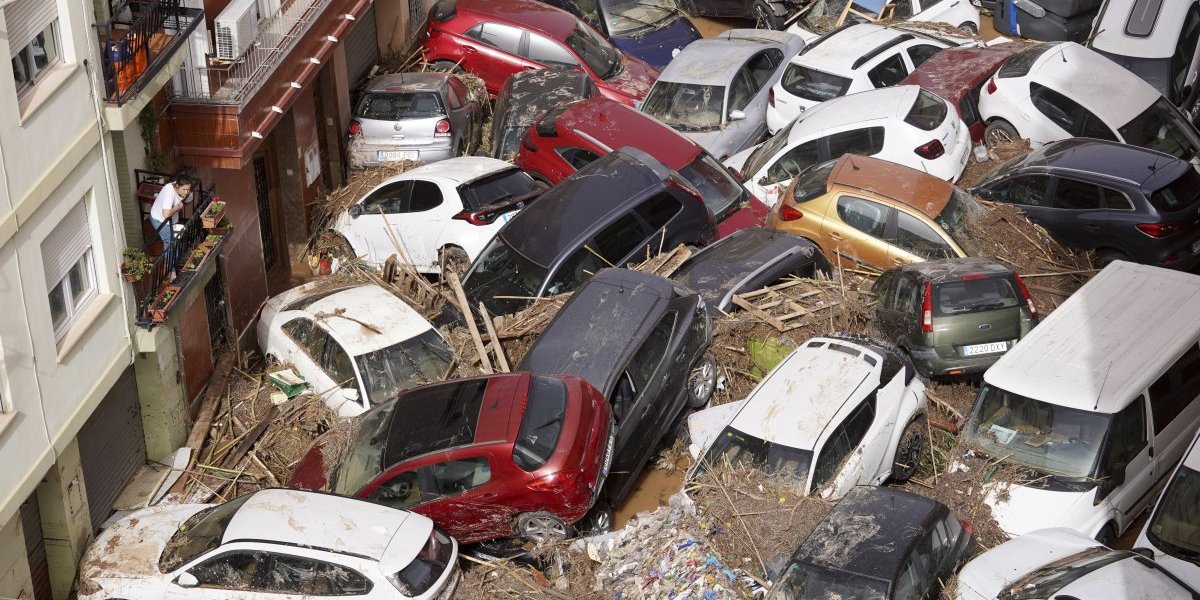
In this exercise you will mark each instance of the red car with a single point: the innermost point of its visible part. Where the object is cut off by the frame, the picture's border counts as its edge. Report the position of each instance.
(496, 38)
(957, 74)
(568, 137)
(484, 457)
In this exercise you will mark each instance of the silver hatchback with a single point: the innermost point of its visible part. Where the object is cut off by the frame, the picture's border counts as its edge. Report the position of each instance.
(424, 117)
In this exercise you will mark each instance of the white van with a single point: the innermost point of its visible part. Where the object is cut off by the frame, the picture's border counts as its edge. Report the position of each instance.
(1173, 530)
(1096, 405)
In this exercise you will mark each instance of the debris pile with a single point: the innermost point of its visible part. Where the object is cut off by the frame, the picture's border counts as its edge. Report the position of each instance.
(977, 171)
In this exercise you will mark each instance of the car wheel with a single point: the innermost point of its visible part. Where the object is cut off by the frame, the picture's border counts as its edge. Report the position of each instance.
(542, 527)
(702, 382)
(598, 520)
(764, 17)
(908, 451)
(1106, 257)
(969, 27)
(1107, 535)
(999, 132)
(454, 259)
(445, 66)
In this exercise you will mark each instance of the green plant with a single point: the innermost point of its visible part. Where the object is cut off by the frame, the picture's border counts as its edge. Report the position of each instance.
(166, 297)
(156, 159)
(135, 263)
(213, 238)
(216, 207)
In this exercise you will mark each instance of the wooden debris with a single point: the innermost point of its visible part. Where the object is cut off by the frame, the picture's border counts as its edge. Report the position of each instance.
(469, 317)
(497, 349)
(788, 311)
(666, 263)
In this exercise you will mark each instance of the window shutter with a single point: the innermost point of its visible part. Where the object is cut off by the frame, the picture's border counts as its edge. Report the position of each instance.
(65, 245)
(25, 20)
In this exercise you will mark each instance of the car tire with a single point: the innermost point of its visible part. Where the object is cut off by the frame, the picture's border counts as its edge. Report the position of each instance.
(542, 527)
(1107, 535)
(1106, 257)
(764, 17)
(908, 451)
(455, 259)
(445, 66)
(969, 27)
(702, 381)
(598, 520)
(999, 132)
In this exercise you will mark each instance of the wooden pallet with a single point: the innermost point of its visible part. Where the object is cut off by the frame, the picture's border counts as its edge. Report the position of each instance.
(783, 312)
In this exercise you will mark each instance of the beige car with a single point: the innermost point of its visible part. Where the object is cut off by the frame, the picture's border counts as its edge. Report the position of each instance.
(874, 212)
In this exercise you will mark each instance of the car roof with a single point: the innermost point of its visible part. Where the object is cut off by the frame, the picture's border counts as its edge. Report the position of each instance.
(528, 94)
(431, 81)
(1148, 169)
(840, 49)
(445, 415)
(456, 170)
(948, 269)
(869, 532)
(1103, 346)
(1089, 78)
(527, 13)
(916, 189)
(1117, 32)
(764, 36)
(953, 71)
(854, 109)
(372, 317)
(602, 323)
(712, 61)
(614, 124)
(718, 268)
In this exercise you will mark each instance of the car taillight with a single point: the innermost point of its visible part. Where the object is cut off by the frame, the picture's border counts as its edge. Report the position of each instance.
(789, 213)
(1158, 230)
(355, 129)
(927, 308)
(477, 218)
(930, 150)
(771, 97)
(991, 86)
(966, 525)
(563, 481)
(1028, 299)
(442, 129)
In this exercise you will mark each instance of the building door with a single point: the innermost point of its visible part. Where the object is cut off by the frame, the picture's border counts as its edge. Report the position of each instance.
(112, 447)
(35, 548)
(262, 190)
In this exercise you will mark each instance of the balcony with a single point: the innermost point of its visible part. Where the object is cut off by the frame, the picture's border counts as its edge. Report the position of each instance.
(137, 46)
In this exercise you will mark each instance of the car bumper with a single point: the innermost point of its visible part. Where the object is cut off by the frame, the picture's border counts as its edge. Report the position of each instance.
(361, 157)
(930, 364)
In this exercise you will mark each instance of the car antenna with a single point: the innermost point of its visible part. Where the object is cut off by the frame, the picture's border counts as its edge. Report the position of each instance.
(851, 161)
(1103, 382)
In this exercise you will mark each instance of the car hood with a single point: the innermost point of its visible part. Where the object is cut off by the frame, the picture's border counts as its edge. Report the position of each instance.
(657, 46)
(1026, 509)
(717, 142)
(634, 80)
(989, 573)
(131, 547)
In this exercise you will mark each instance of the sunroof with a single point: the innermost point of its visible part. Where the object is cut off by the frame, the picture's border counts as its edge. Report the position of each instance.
(1142, 17)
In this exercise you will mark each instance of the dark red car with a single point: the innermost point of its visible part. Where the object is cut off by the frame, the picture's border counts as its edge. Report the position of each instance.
(485, 457)
(571, 136)
(958, 74)
(496, 38)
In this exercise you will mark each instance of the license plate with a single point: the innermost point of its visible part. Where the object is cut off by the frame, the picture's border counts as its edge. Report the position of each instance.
(398, 154)
(991, 348)
(1196, 247)
(506, 217)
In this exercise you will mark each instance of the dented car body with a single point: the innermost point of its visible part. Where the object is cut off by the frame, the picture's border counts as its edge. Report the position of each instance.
(528, 94)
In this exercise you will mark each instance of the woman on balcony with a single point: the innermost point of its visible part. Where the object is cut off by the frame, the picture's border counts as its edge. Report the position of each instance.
(167, 205)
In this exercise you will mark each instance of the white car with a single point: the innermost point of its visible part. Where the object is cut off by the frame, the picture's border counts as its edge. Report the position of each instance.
(356, 346)
(1157, 42)
(1053, 91)
(440, 213)
(962, 14)
(271, 544)
(836, 413)
(1062, 564)
(854, 59)
(905, 124)
(1173, 530)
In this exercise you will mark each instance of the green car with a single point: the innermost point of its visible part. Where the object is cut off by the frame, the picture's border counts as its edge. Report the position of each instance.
(955, 316)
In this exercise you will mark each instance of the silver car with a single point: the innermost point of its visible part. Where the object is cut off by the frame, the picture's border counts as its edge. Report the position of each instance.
(716, 90)
(424, 117)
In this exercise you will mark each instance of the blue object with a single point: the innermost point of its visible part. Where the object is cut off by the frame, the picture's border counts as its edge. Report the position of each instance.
(873, 6)
(656, 47)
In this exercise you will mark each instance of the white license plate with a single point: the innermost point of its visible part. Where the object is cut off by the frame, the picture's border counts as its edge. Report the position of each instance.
(1196, 247)
(506, 217)
(398, 154)
(991, 348)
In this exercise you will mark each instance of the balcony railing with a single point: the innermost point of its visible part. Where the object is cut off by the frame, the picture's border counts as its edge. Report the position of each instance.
(239, 79)
(137, 42)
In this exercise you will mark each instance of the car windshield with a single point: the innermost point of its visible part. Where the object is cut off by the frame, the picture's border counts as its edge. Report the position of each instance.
(199, 534)
(686, 106)
(766, 151)
(733, 447)
(1047, 580)
(1175, 528)
(812, 84)
(1046, 437)
(365, 457)
(1160, 127)
(600, 56)
(714, 182)
(1019, 64)
(422, 359)
(395, 106)
(541, 424)
(811, 582)
(813, 181)
(960, 211)
(502, 271)
(1181, 194)
(497, 189)
(627, 16)
(976, 294)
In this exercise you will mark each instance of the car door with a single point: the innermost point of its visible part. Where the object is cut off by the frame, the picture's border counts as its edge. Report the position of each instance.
(422, 224)
(293, 576)
(919, 570)
(858, 231)
(371, 223)
(864, 141)
(1068, 115)
(338, 367)
(1175, 409)
(840, 465)
(905, 299)
(542, 50)
(308, 351)
(459, 111)
(468, 490)
(1027, 192)
(741, 133)
(883, 290)
(493, 51)
(915, 241)
(1127, 449)
(1077, 216)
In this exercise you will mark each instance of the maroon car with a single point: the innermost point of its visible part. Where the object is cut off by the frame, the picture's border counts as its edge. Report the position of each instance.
(496, 38)
(569, 137)
(957, 74)
(485, 457)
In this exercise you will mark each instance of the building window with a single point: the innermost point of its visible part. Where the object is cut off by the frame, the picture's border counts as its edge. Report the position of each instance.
(70, 269)
(32, 60)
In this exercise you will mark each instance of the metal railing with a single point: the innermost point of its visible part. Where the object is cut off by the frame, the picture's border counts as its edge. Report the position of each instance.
(236, 82)
(132, 49)
(168, 264)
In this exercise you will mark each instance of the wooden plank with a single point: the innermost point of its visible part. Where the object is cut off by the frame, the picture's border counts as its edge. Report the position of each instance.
(465, 307)
(208, 409)
(497, 349)
(761, 314)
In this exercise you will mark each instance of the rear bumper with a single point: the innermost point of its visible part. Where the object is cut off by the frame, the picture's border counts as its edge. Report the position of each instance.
(364, 156)
(930, 364)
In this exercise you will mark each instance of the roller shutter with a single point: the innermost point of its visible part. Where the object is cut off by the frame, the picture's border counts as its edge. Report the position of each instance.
(362, 47)
(112, 447)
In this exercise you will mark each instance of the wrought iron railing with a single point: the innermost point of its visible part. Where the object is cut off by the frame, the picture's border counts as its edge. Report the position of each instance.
(136, 43)
(167, 266)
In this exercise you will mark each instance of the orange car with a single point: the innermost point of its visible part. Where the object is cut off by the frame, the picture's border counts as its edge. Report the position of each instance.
(875, 212)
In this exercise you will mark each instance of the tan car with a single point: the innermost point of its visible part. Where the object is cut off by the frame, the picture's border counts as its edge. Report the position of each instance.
(875, 212)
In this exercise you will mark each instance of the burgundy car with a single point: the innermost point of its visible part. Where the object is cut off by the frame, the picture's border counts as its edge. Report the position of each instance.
(496, 38)
(958, 74)
(484, 457)
(571, 136)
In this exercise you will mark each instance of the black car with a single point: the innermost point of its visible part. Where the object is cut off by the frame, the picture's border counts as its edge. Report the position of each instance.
(1045, 20)
(525, 95)
(747, 260)
(624, 207)
(643, 344)
(878, 542)
(1121, 201)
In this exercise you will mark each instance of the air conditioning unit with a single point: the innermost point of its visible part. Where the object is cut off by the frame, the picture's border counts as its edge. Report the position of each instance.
(236, 26)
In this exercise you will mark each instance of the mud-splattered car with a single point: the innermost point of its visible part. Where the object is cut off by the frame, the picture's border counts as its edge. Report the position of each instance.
(528, 94)
(271, 544)
(648, 29)
(485, 457)
(958, 75)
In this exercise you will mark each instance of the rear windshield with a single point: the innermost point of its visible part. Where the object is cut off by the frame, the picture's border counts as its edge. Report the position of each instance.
(542, 423)
(975, 295)
(1180, 195)
(684, 106)
(1161, 127)
(928, 112)
(1019, 64)
(714, 182)
(813, 182)
(394, 106)
(812, 84)
(960, 211)
(498, 188)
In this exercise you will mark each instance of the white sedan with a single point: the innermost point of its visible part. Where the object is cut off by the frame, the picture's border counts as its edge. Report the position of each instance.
(356, 345)
(836, 413)
(440, 213)
(271, 544)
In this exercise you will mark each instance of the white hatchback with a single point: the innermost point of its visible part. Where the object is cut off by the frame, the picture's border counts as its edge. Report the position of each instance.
(355, 345)
(443, 212)
(836, 413)
(905, 124)
(271, 544)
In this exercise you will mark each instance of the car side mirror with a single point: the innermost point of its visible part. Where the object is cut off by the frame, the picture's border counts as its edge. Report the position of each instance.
(1116, 476)
(186, 580)
(355, 210)
(350, 394)
(736, 115)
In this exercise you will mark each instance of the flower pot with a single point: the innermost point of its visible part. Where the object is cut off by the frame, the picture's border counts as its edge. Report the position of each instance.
(130, 277)
(211, 218)
(162, 303)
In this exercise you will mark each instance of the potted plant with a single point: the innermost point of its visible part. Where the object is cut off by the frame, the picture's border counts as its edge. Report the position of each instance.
(222, 227)
(135, 264)
(213, 214)
(162, 303)
(197, 258)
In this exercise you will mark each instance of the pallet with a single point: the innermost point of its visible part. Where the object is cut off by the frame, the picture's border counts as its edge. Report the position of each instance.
(784, 313)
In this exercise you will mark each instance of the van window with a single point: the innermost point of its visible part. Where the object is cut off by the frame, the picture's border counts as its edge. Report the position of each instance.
(1181, 61)
(843, 441)
(1175, 389)
(1126, 435)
